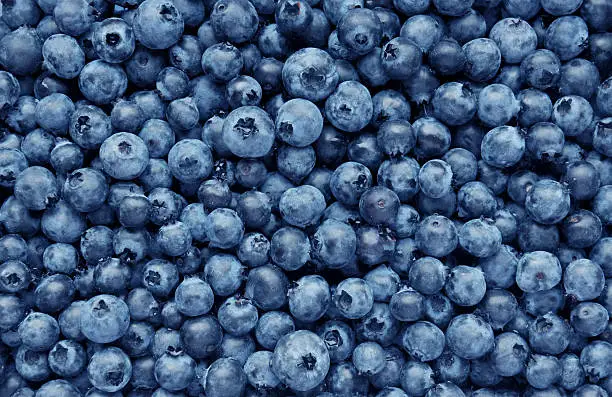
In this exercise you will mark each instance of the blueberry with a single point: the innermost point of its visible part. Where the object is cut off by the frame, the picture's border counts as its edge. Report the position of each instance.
(300, 360)
(234, 20)
(428, 275)
(63, 56)
(249, 132)
(109, 370)
(369, 358)
(541, 69)
(497, 105)
(436, 236)
(516, 39)
(423, 341)
(483, 58)
(98, 74)
(547, 202)
(480, 238)
(416, 378)
(454, 103)
(567, 36)
(469, 336)
(400, 58)
(424, 30)
(349, 108)
(503, 146)
(258, 370)
(353, 298)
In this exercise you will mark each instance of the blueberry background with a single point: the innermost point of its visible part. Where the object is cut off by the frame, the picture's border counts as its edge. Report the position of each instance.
(305, 198)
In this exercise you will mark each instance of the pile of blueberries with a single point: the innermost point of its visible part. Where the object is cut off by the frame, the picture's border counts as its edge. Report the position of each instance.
(305, 198)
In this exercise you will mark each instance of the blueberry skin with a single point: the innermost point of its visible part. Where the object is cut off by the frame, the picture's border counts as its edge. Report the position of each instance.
(435, 178)
(547, 202)
(453, 8)
(350, 107)
(85, 189)
(113, 40)
(469, 336)
(423, 341)
(104, 319)
(579, 77)
(57, 388)
(416, 378)
(582, 229)
(454, 103)
(601, 136)
(436, 236)
(515, 38)
(35, 187)
(544, 141)
(541, 69)
(190, 161)
(510, 353)
(258, 372)
(109, 370)
(427, 275)
(497, 105)
(433, 138)
(424, 30)
(248, 132)
(589, 319)
(334, 243)
(301, 360)
(465, 286)
(62, 223)
(369, 358)
(89, 126)
(360, 30)
(272, 326)
(21, 51)
(353, 298)
(38, 331)
(124, 156)
(538, 271)
(594, 360)
(583, 279)
(572, 114)
(565, 44)
(61, 258)
(349, 181)
(503, 146)
(314, 290)
(483, 59)
(67, 358)
(222, 62)
(63, 56)
(158, 24)
(302, 206)
(235, 21)
(101, 82)
(400, 58)
(480, 238)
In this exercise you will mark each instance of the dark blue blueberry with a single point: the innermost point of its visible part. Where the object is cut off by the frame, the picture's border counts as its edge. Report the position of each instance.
(589, 319)
(353, 298)
(258, 370)
(432, 137)
(424, 30)
(454, 103)
(447, 57)
(483, 59)
(400, 58)
(350, 107)
(541, 69)
(98, 74)
(567, 36)
(109, 369)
